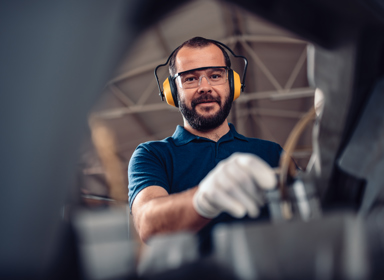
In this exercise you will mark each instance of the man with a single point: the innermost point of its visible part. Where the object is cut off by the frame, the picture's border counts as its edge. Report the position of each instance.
(206, 172)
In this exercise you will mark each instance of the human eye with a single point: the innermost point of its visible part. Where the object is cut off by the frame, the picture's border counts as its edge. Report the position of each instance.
(217, 75)
(189, 78)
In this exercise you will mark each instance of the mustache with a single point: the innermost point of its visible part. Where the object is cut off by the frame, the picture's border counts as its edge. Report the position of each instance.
(205, 98)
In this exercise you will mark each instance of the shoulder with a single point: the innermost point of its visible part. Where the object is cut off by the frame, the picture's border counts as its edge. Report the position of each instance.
(267, 150)
(264, 143)
(156, 145)
(152, 150)
(255, 142)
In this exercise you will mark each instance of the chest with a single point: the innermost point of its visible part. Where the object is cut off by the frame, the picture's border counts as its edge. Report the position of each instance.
(192, 162)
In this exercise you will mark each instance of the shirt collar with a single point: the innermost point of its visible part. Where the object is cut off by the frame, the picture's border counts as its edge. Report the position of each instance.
(181, 136)
(235, 134)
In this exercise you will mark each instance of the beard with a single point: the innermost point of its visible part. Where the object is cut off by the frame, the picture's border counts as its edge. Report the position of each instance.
(200, 122)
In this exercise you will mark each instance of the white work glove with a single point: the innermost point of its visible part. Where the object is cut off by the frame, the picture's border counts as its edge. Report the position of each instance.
(235, 186)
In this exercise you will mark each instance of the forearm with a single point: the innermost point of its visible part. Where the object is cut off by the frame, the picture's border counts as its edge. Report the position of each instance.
(169, 214)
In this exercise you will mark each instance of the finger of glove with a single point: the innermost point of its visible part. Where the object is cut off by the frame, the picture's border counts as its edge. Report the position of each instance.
(229, 204)
(204, 207)
(238, 184)
(245, 181)
(259, 170)
(249, 203)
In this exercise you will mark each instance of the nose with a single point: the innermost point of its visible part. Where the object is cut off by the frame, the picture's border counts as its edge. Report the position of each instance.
(201, 80)
(204, 85)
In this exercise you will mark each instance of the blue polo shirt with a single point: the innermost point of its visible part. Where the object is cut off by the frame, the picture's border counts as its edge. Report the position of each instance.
(180, 162)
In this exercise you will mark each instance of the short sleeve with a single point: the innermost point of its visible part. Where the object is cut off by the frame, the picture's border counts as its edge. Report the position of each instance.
(268, 151)
(277, 152)
(146, 168)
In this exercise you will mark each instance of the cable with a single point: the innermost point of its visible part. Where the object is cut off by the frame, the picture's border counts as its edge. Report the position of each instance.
(289, 147)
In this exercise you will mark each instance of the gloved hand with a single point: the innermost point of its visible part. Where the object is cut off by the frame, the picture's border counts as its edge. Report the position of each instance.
(235, 186)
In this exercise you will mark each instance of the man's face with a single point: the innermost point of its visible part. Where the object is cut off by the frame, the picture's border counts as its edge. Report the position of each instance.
(204, 107)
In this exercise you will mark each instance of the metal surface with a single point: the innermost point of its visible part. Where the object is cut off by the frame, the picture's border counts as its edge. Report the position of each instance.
(364, 155)
(105, 247)
(334, 247)
(302, 201)
(167, 252)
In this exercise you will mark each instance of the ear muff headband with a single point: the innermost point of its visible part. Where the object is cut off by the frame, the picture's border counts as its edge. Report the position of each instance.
(242, 84)
(170, 90)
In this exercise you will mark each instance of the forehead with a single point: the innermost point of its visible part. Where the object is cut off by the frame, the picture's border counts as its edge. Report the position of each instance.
(190, 58)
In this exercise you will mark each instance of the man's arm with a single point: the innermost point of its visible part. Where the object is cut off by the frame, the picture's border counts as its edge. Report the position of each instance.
(234, 186)
(155, 211)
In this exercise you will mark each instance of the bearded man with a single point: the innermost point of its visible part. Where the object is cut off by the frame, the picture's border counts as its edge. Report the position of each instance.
(206, 172)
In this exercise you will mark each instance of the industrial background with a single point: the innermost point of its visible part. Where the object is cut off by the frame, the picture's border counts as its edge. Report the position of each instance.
(130, 111)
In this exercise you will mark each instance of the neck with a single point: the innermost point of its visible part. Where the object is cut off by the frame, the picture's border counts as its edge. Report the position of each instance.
(214, 134)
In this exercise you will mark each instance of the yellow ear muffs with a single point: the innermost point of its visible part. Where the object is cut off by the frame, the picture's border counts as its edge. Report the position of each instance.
(170, 92)
(169, 86)
(234, 84)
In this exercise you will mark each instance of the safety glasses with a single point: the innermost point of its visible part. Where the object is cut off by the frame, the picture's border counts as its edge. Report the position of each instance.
(215, 76)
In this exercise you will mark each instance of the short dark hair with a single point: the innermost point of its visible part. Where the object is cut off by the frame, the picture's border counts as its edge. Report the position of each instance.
(196, 42)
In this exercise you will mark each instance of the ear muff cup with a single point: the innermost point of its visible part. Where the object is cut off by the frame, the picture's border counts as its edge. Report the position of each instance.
(234, 84)
(170, 92)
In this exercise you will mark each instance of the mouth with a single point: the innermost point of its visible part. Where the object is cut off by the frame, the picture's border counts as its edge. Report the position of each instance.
(206, 105)
(207, 102)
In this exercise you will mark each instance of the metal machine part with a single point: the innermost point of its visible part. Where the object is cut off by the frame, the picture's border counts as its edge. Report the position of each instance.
(364, 155)
(105, 249)
(167, 252)
(301, 203)
(375, 227)
(334, 247)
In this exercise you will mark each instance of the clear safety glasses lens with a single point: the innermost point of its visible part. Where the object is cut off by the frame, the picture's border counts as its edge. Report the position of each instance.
(192, 79)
